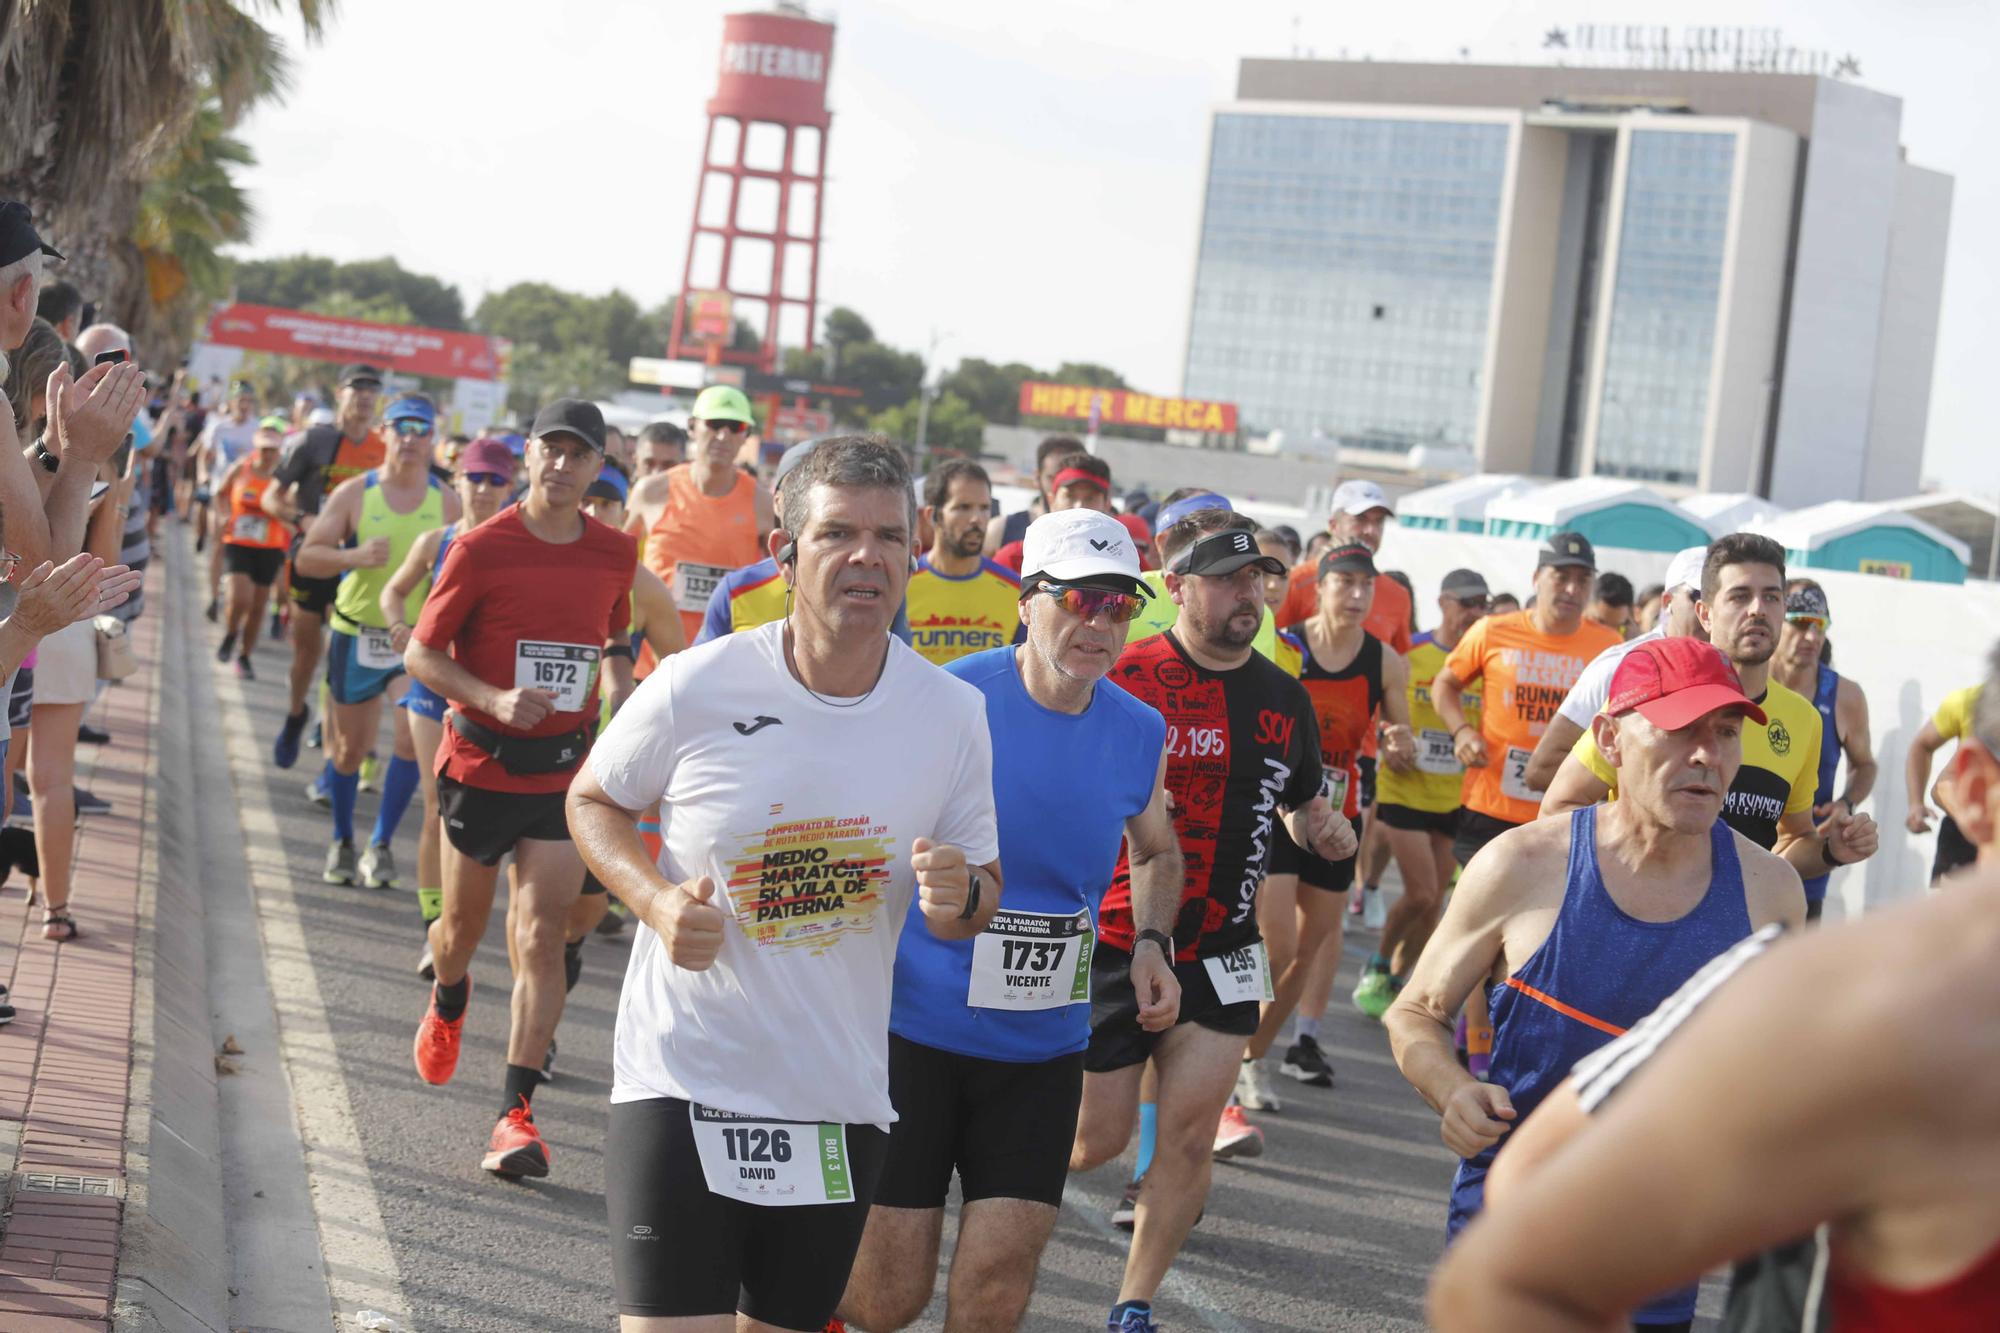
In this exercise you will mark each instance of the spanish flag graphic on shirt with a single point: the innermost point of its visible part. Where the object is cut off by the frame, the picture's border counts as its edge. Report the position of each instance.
(804, 883)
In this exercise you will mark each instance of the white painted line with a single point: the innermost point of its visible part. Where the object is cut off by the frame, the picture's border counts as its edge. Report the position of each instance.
(1188, 1291)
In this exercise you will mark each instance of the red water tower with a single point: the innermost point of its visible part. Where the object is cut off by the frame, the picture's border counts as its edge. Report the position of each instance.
(754, 245)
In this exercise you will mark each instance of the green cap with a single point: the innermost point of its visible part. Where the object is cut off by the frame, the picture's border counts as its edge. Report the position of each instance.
(275, 422)
(722, 402)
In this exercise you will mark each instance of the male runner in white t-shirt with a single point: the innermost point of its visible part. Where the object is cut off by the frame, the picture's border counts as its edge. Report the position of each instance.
(812, 774)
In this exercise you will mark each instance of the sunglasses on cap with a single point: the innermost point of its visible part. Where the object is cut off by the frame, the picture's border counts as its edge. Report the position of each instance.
(410, 427)
(493, 479)
(1087, 603)
(728, 427)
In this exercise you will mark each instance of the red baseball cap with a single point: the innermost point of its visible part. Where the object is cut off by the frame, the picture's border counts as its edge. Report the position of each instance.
(1671, 682)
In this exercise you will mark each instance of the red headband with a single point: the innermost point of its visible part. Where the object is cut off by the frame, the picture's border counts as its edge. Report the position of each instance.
(1070, 475)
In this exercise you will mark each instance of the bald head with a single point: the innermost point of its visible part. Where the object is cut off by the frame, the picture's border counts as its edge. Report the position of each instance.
(98, 339)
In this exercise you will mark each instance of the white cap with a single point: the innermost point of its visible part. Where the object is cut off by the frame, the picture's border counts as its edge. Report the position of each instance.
(1358, 497)
(320, 416)
(1079, 544)
(1685, 571)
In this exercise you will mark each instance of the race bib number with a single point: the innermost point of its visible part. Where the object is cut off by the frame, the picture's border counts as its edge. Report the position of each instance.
(1514, 775)
(777, 1163)
(1242, 974)
(1333, 785)
(1435, 753)
(250, 529)
(1031, 960)
(376, 650)
(563, 670)
(694, 583)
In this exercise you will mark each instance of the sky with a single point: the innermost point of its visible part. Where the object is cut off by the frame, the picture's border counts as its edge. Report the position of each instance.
(1018, 182)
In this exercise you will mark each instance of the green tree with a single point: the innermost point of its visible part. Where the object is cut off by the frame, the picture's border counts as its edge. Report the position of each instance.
(306, 282)
(992, 391)
(953, 426)
(186, 214)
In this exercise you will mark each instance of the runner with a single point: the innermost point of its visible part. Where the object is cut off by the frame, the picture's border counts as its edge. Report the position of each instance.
(1734, 1111)
(1161, 611)
(224, 441)
(1951, 722)
(1680, 597)
(518, 628)
(1583, 925)
(987, 1036)
(750, 1102)
(253, 543)
(1348, 674)
(661, 447)
(704, 518)
(484, 477)
(1770, 800)
(1079, 482)
(1005, 529)
(1611, 603)
(362, 537)
(1419, 813)
(1504, 604)
(1842, 708)
(327, 456)
(1241, 740)
(961, 603)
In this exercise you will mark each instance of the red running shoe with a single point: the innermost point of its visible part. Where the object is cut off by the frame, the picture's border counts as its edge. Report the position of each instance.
(437, 1041)
(516, 1148)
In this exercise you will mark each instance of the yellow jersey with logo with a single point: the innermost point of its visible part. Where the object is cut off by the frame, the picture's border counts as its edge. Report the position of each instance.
(954, 616)
(1780, 769)
(1438, 783)
(1953, 718)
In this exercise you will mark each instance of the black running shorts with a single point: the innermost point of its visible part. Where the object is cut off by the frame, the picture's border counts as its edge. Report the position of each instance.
(485, 825)
(311, 595)
(1116, 1039)
(1006, 1128)
(1474, 832)
(260, 564)
(1288, 858)
(679, 1251)
(592, 884)
(1411, 820)
(1364, 789)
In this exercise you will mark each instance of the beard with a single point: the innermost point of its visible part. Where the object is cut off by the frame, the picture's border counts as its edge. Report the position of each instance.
(1223, 633)
(968, 543)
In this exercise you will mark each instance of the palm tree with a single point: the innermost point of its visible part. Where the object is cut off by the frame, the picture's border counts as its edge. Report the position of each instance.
(102, 96)
(187, 211)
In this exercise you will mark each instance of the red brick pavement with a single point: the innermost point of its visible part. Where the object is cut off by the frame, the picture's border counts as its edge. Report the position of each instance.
(66, 1060)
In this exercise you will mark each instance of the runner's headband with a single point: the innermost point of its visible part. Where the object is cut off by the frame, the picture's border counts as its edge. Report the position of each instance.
(1070, 475)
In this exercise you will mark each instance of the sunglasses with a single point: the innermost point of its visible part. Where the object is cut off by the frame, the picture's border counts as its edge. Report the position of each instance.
(1089, 603)
(493, 479)
(9, 564)
(410, 428)
(728, 427)
(1474, 603)
(1815, 621)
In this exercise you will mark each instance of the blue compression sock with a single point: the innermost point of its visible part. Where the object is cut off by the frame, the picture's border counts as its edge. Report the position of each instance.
(398, 785)
(1149, 1135)
(343, 786)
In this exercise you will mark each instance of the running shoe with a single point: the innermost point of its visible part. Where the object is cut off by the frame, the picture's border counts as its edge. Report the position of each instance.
(277, 626)
(1235, 1136)
(549, 1063)
(516, 1148)
(339, 862)
(436, 1051)
(317, 793)
(1253, 1087)
(1373, 914)
(285, 750)
(214, 604)
(1134, 1321)
(89, 735)
(318, 738)
(614, 920)
(1126, 1214)
(228, 648)
(427, 965)
(1354, 904)
(1375, 993)
(1304, 1062)
(378, 867)
(371, 773)
(244, 671)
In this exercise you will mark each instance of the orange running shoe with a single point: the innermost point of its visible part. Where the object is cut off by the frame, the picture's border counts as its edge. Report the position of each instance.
(516, 1148)
(1235, 1136)
(437, 1041)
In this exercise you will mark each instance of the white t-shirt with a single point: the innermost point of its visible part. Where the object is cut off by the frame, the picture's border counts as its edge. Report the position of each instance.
(803, 812)
(228, 441)
(1586, 698)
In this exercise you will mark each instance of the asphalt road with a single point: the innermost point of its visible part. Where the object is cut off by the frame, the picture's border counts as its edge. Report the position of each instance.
(1334, 1227)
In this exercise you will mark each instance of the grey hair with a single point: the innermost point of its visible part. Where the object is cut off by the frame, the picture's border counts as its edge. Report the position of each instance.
(868, 461)
(1986, 713)
(29, 265)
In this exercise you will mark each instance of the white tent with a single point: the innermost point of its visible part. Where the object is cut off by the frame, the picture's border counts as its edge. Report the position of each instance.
(1459, 506)
(1737, 511)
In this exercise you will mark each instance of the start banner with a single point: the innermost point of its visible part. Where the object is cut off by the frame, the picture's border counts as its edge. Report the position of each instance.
(414, 351)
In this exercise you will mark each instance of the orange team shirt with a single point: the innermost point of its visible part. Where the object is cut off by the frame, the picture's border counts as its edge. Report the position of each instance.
(1388, 620)
(698, 539)
(1527, 675)
(249, 525)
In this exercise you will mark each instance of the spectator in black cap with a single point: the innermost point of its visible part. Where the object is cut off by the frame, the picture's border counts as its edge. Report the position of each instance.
(23, 255)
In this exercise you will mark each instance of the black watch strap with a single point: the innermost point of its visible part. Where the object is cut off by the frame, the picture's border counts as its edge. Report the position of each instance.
(1159, 937)
(50, 463)
(971, 896)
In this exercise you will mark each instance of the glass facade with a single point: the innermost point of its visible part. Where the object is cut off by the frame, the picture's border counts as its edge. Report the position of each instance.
(1654, 411)
(1345, 275)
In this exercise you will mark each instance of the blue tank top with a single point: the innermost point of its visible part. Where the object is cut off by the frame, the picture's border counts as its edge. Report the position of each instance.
(1825, 694)
(1063, 787)
(1599, 972)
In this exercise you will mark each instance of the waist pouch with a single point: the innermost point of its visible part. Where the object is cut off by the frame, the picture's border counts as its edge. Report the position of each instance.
(526, 755)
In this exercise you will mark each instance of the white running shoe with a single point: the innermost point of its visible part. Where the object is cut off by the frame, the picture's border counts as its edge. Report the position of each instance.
(1253, 1087)
(1374, 915)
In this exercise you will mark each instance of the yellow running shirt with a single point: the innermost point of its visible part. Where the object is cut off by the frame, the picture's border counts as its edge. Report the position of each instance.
(1438, 784)
(954, 616)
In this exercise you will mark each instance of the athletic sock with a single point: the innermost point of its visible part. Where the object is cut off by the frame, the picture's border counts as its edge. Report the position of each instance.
(431, 903)
(1377, 963)
(1118, 1311)
(1149, 1135)
(451, 999)
(398, 785)
(343, 786)
(1308, 1027)
(572, 964)
(521, 1084)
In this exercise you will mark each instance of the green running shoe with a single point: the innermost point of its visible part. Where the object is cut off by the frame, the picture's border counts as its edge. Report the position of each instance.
(1375, 994)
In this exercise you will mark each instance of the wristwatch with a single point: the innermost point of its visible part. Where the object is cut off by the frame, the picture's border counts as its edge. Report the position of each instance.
(971, 896)
(50, 463)
(1159, 937)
